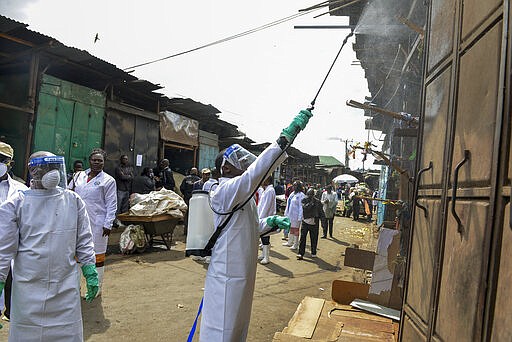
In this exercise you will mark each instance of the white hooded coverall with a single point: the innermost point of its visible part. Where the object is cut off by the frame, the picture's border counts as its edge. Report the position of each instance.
(229, 284)
(13, 186)
(294, 208)
(43, 230)
(267, 202)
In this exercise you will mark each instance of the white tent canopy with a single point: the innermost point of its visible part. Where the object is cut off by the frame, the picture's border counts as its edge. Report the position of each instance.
(345, 178)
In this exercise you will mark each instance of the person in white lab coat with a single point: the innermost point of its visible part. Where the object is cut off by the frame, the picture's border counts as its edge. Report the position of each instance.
(44, 229)
(329, 201)
(229, 284)
(8, 187)
(98, 190)
(294, 212)
(266, 208)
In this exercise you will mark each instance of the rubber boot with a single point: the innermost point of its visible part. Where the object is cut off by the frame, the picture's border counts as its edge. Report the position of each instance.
(101, 271)
(266, 255)
(289, 243)
(295, 242)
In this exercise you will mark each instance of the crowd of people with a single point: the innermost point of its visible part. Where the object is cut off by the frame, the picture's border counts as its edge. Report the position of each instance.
(310, 207)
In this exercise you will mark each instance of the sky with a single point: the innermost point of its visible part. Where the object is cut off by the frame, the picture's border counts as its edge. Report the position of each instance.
(259, 82)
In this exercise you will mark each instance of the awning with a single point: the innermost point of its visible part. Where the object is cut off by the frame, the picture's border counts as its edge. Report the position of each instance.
(180, 129)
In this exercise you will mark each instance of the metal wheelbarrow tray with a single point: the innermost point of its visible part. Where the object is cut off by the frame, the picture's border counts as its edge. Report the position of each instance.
(158, 225)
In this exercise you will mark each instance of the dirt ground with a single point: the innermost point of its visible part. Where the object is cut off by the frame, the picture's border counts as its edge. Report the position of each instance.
(154, 296)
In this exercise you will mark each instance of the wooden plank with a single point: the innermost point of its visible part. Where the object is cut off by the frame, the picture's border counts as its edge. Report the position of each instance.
(304, 320)
(351, 337)
(154, 218)
(359, 258)
(344, 292)
(354, 324)
(284, 337)
(362, 315)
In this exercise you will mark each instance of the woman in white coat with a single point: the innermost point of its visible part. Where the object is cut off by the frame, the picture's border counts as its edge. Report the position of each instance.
(99, 192)
(294, 212)
(229, 285)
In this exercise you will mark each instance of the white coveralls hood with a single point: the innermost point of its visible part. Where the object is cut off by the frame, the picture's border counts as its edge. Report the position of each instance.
(229, 285)
(45, 230)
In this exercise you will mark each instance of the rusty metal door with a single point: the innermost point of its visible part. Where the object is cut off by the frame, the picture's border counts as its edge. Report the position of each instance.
(131, 135)
(455, 245)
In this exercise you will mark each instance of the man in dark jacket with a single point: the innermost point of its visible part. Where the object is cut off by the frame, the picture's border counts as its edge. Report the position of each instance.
(186, 187)
(164, 177)
(124, 177)
(312, 211)
(205, 176)
(144, 183)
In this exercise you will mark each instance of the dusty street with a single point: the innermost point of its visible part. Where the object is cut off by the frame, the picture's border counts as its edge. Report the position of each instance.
(154, 296)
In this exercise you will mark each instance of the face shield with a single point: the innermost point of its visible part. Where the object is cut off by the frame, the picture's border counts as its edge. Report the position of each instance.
(238, 156)
(48, 172)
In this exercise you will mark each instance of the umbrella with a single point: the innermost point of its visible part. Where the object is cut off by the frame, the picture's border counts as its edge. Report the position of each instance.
(345, 178)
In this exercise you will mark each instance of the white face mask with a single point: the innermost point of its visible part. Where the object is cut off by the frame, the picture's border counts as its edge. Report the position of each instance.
(3, 169)
(51, 179)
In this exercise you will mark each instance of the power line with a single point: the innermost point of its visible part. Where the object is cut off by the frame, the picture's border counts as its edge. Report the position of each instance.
(223, 40)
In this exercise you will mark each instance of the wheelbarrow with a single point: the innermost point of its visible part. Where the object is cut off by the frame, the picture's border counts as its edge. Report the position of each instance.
(158, 225)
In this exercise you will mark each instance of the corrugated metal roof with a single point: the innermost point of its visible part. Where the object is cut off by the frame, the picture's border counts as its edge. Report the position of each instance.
(328, 161)
(21, 39)
(69, 65)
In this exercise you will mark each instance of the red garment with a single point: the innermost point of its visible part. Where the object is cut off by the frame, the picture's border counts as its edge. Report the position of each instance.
(289, 190)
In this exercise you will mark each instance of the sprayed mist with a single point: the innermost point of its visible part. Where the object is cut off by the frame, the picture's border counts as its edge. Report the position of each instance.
(379, 18)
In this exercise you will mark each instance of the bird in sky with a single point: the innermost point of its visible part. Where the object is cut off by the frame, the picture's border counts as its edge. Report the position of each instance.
(96, 38)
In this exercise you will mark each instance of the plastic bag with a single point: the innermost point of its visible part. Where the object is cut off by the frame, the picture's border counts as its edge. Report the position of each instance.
(132, 239)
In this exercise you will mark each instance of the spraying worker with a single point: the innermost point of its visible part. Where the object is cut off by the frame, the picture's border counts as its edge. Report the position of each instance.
(229, 285)
(43, 229)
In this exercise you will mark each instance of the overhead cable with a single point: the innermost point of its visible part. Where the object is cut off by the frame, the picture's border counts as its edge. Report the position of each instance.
(245, 33)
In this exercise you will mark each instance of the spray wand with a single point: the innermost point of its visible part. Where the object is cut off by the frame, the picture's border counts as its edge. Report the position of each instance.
(297, 128)
(328, 72)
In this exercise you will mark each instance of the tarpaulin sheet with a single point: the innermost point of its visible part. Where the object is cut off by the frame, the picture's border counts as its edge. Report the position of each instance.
(180, 129)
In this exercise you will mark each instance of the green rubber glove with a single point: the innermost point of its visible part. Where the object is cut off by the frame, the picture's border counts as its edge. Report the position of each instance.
(298, 124)
(91, 278)
(2, 284)
(281, 222)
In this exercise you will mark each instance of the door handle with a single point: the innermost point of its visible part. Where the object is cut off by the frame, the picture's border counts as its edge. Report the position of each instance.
(460, 227)
(420, 172)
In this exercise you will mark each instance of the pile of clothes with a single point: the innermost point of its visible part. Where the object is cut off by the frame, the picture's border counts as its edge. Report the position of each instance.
(158, 202)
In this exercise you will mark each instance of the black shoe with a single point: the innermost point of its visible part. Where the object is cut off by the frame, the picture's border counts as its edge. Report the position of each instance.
(331, 236)
(299, 257)
(323, 237)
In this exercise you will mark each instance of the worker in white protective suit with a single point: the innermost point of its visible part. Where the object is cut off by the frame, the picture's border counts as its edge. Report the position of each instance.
(230, 279)
(294, 212)
(44, 229)
(266, 208)
(8, 187)
(99, 192)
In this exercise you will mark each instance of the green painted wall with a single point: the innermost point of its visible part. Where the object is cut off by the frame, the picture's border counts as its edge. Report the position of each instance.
(69, 121)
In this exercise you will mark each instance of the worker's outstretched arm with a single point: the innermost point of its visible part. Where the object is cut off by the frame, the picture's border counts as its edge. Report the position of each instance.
(274, 224)
(298, 123)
